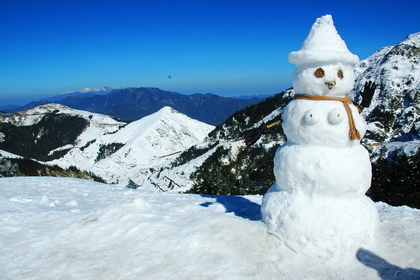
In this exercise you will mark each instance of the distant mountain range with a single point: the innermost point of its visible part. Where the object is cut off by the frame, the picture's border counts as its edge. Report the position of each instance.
(135, 103)
(85, 91)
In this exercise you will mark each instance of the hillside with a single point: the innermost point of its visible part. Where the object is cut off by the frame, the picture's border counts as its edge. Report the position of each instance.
(395, 109)
(48, 132)
(56, 135)
(140, 145)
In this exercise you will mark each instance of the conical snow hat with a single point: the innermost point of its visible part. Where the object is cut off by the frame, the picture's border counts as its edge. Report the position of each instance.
(323, 45)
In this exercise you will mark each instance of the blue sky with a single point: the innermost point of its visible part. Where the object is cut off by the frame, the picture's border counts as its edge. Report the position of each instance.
(223, 47)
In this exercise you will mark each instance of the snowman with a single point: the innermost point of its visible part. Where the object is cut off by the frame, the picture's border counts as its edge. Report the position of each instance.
(318, 205)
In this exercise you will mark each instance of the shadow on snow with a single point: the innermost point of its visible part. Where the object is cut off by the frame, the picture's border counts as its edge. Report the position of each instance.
(386, 270)
(240, 206)
(247, 209)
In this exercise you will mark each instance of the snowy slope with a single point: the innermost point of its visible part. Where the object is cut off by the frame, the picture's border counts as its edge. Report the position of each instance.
(56, 228)
(144, 144)
(180, 175)
(395, 69)
(394, 114)
(115, 150)
(99, 123)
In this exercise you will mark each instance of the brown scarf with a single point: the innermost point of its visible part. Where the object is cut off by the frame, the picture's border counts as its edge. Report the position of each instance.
(354, 133)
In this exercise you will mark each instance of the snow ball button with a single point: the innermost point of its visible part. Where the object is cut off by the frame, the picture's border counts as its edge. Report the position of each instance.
(312, 116)
(336, 116)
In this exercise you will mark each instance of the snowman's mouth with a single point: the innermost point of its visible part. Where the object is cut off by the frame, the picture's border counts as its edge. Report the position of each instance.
(330, 84)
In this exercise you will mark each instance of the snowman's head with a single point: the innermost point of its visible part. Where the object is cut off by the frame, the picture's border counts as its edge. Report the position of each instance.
(334, 79)
(324, 65)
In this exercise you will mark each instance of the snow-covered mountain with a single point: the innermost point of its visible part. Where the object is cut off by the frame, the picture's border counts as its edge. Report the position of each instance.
(137, 147)
(394, 114)
(101, 123)
(111, 149)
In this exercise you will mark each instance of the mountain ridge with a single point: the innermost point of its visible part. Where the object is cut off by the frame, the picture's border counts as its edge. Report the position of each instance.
(111, 149)
(134, 103)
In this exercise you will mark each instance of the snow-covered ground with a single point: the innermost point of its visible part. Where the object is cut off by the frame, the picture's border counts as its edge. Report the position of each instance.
(63, 228)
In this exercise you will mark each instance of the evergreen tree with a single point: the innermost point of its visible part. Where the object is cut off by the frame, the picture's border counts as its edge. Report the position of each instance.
(396, 180)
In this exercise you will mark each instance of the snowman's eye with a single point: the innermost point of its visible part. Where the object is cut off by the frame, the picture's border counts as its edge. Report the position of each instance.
(311, 117)
(319, 73)
(340, 74)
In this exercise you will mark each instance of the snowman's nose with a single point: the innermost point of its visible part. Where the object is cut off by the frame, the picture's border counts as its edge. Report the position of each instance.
(330, 84)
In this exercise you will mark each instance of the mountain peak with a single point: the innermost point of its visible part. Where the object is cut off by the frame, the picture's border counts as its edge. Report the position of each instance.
(168, 119)
(412, 39)
(105, 89)
(34, 115)
(168, 111)
(47, 108)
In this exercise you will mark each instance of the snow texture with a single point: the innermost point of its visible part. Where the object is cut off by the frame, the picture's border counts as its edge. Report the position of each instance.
(62, 228)
(323, 45)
